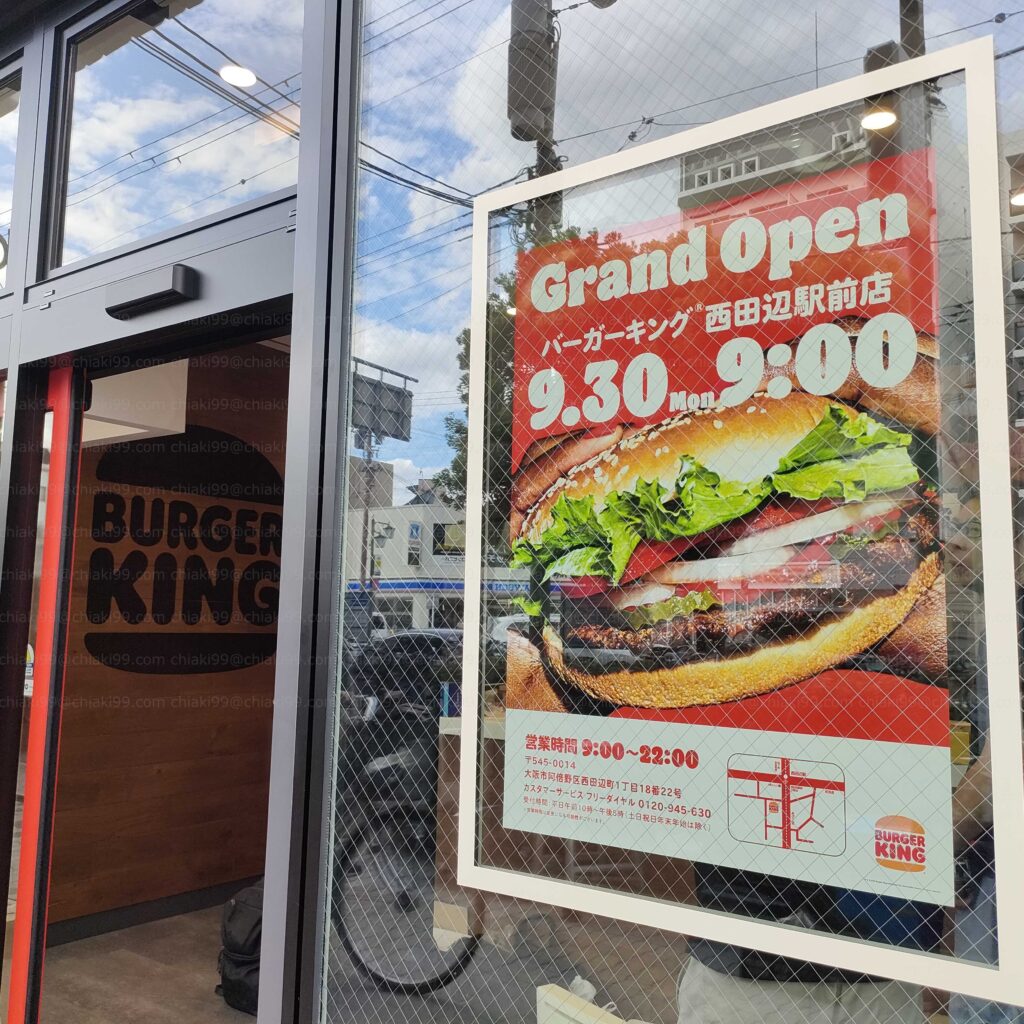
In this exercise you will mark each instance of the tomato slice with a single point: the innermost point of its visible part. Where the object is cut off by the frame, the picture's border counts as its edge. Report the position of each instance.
(649, 554)
(780, 512)
(584, 586)
(874, 524)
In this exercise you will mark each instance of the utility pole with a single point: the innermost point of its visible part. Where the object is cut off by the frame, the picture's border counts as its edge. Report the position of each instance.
(532, 85)
(912, 129)
(912, 27)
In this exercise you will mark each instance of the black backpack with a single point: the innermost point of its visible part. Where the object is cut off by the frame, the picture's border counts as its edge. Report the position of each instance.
(241, 931)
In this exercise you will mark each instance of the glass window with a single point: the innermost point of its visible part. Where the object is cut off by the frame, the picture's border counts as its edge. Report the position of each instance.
(450, 108)
(10, 95)
(179, 109)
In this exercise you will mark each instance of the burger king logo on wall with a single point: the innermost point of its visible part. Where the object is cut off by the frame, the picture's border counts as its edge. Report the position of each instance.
(900, 843)
(184, 566)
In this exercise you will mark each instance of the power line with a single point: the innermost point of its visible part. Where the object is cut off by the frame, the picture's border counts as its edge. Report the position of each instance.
(411, 309)
(439, 74)
(180, 209)
(416, 284)
(455, 223)
(177, 131)
(152, 166)
(997, 19)
(238, 96)
(399, 24)
(424, 216)
(415, 256)
(405, 244)
(409, 167)
(416, 186)
(154, 163)
(387, 14)
(227, 56)
(451, 226)
(398, 39)
(178, 65)
(427, 302)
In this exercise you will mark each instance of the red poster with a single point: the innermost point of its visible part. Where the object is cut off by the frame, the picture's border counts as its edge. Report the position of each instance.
(724, 490)
(628, 326)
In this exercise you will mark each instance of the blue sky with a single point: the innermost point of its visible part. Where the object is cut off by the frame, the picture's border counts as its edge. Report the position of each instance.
(151, 148)
(434, 96)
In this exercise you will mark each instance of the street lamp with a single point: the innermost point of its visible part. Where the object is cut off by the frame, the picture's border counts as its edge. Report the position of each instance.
(380, 533)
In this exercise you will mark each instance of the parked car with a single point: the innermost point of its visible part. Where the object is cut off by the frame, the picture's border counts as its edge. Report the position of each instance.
(501, 624)
(417, 662)
(422, 664)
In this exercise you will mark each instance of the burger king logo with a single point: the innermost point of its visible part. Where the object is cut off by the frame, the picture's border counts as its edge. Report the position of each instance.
(184, 567)
(900, 843)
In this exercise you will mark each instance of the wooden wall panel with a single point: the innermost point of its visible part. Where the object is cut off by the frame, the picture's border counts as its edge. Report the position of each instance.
(165, 748)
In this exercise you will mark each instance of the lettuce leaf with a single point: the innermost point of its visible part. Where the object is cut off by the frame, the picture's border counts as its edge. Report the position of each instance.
(591, 561)
(671, 608)
(885, 469)
(839, 435)
(844, 456)
(532, 607)
(847, 543)
(701, 499)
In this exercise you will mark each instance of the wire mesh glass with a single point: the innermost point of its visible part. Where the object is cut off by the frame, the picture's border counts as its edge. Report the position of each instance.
(458, 99)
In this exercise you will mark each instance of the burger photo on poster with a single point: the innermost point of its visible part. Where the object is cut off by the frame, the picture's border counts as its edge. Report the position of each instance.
(730, 552)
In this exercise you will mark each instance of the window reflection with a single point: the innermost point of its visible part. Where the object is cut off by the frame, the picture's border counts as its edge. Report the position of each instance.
(439, 124)
(10, 94)
(179, 110)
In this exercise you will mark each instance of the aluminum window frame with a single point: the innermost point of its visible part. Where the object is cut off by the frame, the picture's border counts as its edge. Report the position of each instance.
(1003, 983)
(50, 206)
(319, 280)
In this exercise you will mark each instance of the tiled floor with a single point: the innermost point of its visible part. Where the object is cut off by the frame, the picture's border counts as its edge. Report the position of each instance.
(158, 973)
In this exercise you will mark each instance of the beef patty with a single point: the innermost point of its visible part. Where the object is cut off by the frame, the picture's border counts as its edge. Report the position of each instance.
(879, 567)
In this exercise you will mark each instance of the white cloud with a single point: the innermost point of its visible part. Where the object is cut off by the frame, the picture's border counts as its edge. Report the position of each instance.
(408, 474)
(675, 63)
(429, 356)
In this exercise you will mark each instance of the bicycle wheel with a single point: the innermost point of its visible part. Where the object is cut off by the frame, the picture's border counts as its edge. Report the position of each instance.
(384, 908)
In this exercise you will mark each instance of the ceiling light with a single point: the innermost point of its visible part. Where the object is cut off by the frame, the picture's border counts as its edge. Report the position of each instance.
(511, 310)
(239, 77)
(1017, 197)
(878, 117)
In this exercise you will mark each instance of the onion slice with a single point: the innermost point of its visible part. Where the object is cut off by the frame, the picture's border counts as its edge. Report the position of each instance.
(640, 594)
(823, 524)
(728, 567)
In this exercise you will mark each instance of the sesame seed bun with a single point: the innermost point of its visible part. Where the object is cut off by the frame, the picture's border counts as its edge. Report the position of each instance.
(527, 687)
(919, 645)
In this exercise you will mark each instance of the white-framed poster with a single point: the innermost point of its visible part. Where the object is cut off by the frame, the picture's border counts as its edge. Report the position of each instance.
(723, 428)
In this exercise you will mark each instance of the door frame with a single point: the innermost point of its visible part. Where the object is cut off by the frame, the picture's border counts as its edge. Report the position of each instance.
(297, 883)
(319, 286)
(65, 399)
